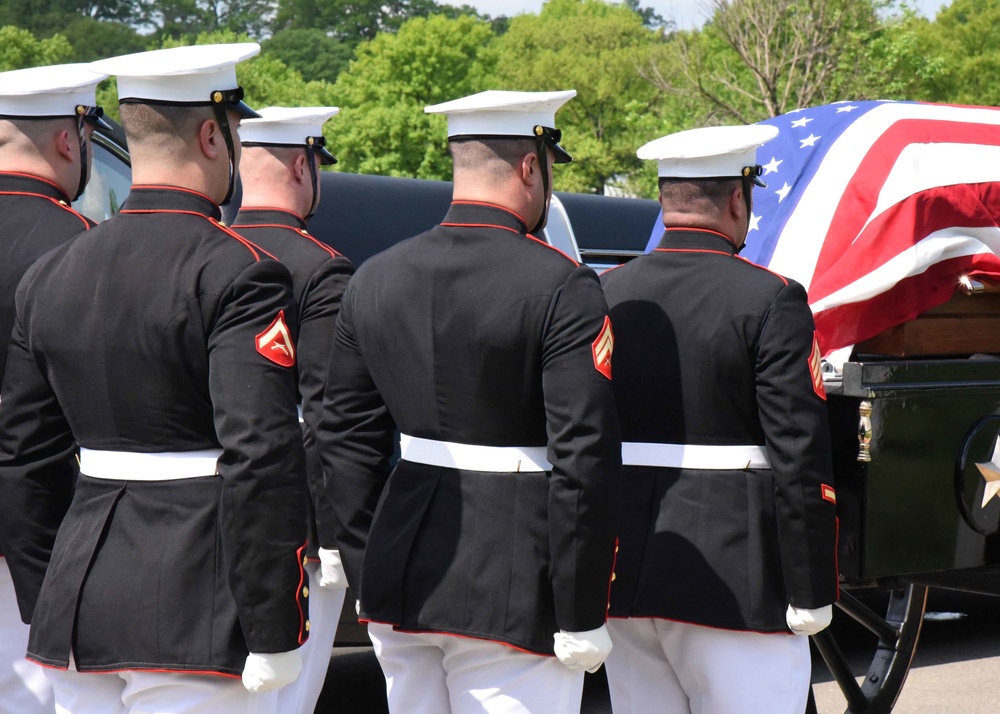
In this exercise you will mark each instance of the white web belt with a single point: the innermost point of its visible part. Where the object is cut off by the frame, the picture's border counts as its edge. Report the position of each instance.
(471, 457)
(694, 456)
(162, 466)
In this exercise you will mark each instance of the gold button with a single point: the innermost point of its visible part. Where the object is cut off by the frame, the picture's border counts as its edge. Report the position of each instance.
(63, 203)
(305, 560)
(613, 577)
(305, 592)
(308, 625)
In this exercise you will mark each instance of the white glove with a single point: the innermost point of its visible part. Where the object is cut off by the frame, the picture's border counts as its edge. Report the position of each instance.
(808, 622)
(583, 650)
(264, 672)
(331, 573)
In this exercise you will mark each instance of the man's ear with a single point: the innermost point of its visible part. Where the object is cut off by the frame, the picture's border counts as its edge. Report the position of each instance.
(529, 168)
(300, 167)
(210, 139)
(66, 144)
(737, 204)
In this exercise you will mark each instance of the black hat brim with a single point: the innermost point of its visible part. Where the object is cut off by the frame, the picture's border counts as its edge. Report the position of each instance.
(244, 110)
(325, 157)
(561, 155)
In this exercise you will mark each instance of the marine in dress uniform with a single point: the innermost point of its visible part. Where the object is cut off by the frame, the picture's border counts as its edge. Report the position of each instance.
(482, 561)
(46, 117)
(279, 173)
(728, 526)
(160, 343)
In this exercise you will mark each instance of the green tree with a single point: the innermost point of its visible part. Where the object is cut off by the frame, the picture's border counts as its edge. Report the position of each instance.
(19, 48)
(650, 18)
(888, 63)
(311, 52)
(184, 18)
(266, 80)
(355, 20)
(383, 128)
(964, 44)
(761, 58)
(95, 39)
(596, 48)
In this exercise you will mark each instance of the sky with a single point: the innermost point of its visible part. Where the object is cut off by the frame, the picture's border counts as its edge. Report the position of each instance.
(686, 13)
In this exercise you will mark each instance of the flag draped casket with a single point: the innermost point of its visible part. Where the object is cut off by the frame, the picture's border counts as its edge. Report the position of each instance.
(878, 209)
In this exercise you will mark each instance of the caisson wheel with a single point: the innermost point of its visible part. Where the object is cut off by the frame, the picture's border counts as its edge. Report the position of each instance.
(897, 633)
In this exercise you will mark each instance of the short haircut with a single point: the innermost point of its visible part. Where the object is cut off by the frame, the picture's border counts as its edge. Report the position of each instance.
(496, 156)
(148, 121)
(687, 191)
(37, 131)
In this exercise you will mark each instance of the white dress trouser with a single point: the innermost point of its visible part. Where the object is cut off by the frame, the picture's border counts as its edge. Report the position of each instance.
(23, 686)
(676, 668)
(140, 692)
(429, 673)
(325, 605)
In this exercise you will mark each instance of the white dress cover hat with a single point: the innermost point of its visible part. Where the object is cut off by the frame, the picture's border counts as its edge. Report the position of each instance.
(710, 152)
(194, 75)
(290, 126)
(499, 113)
(59, 90)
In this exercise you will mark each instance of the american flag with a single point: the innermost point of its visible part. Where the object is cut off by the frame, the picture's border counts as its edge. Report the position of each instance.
(878, 208)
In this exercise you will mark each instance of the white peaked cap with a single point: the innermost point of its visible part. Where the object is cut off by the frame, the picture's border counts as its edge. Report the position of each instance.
(52, 91)
(708, 152)
(286, 125)
(502, 113)
(178, 74)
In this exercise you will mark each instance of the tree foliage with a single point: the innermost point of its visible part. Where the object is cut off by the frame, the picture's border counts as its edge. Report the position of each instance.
(383, 128)
(963, 46)
(352, 21)
(595, 48)
(760, 58)
(19, 48)
(311, 52)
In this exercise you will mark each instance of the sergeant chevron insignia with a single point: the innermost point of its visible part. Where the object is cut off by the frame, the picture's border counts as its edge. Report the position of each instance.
(275, 343)
(816, 369)
(602, 348)
(991, 473)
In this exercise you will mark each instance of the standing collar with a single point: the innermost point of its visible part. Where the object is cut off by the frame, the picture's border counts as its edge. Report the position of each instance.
(483, 215)
(170, 198)
(16, 182)
(265, 215)
(696, 239)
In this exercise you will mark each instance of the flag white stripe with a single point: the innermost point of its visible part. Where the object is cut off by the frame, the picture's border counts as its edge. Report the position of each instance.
(941, 245)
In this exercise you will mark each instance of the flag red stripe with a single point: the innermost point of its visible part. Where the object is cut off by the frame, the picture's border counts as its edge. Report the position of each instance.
(852, 323)
(861, 196)
(904, 225)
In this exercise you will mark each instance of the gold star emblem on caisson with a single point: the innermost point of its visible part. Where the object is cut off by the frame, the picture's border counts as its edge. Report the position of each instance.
(991, 473)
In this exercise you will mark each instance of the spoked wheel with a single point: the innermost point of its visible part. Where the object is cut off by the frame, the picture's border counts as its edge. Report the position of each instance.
(897, 634)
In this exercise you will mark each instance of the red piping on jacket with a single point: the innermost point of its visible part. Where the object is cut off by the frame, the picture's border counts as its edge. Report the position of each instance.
(138, 669)
(254, 249)
(168, 187)
(301, 233)
(298, 594)
(64, 206)
(489, 205)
